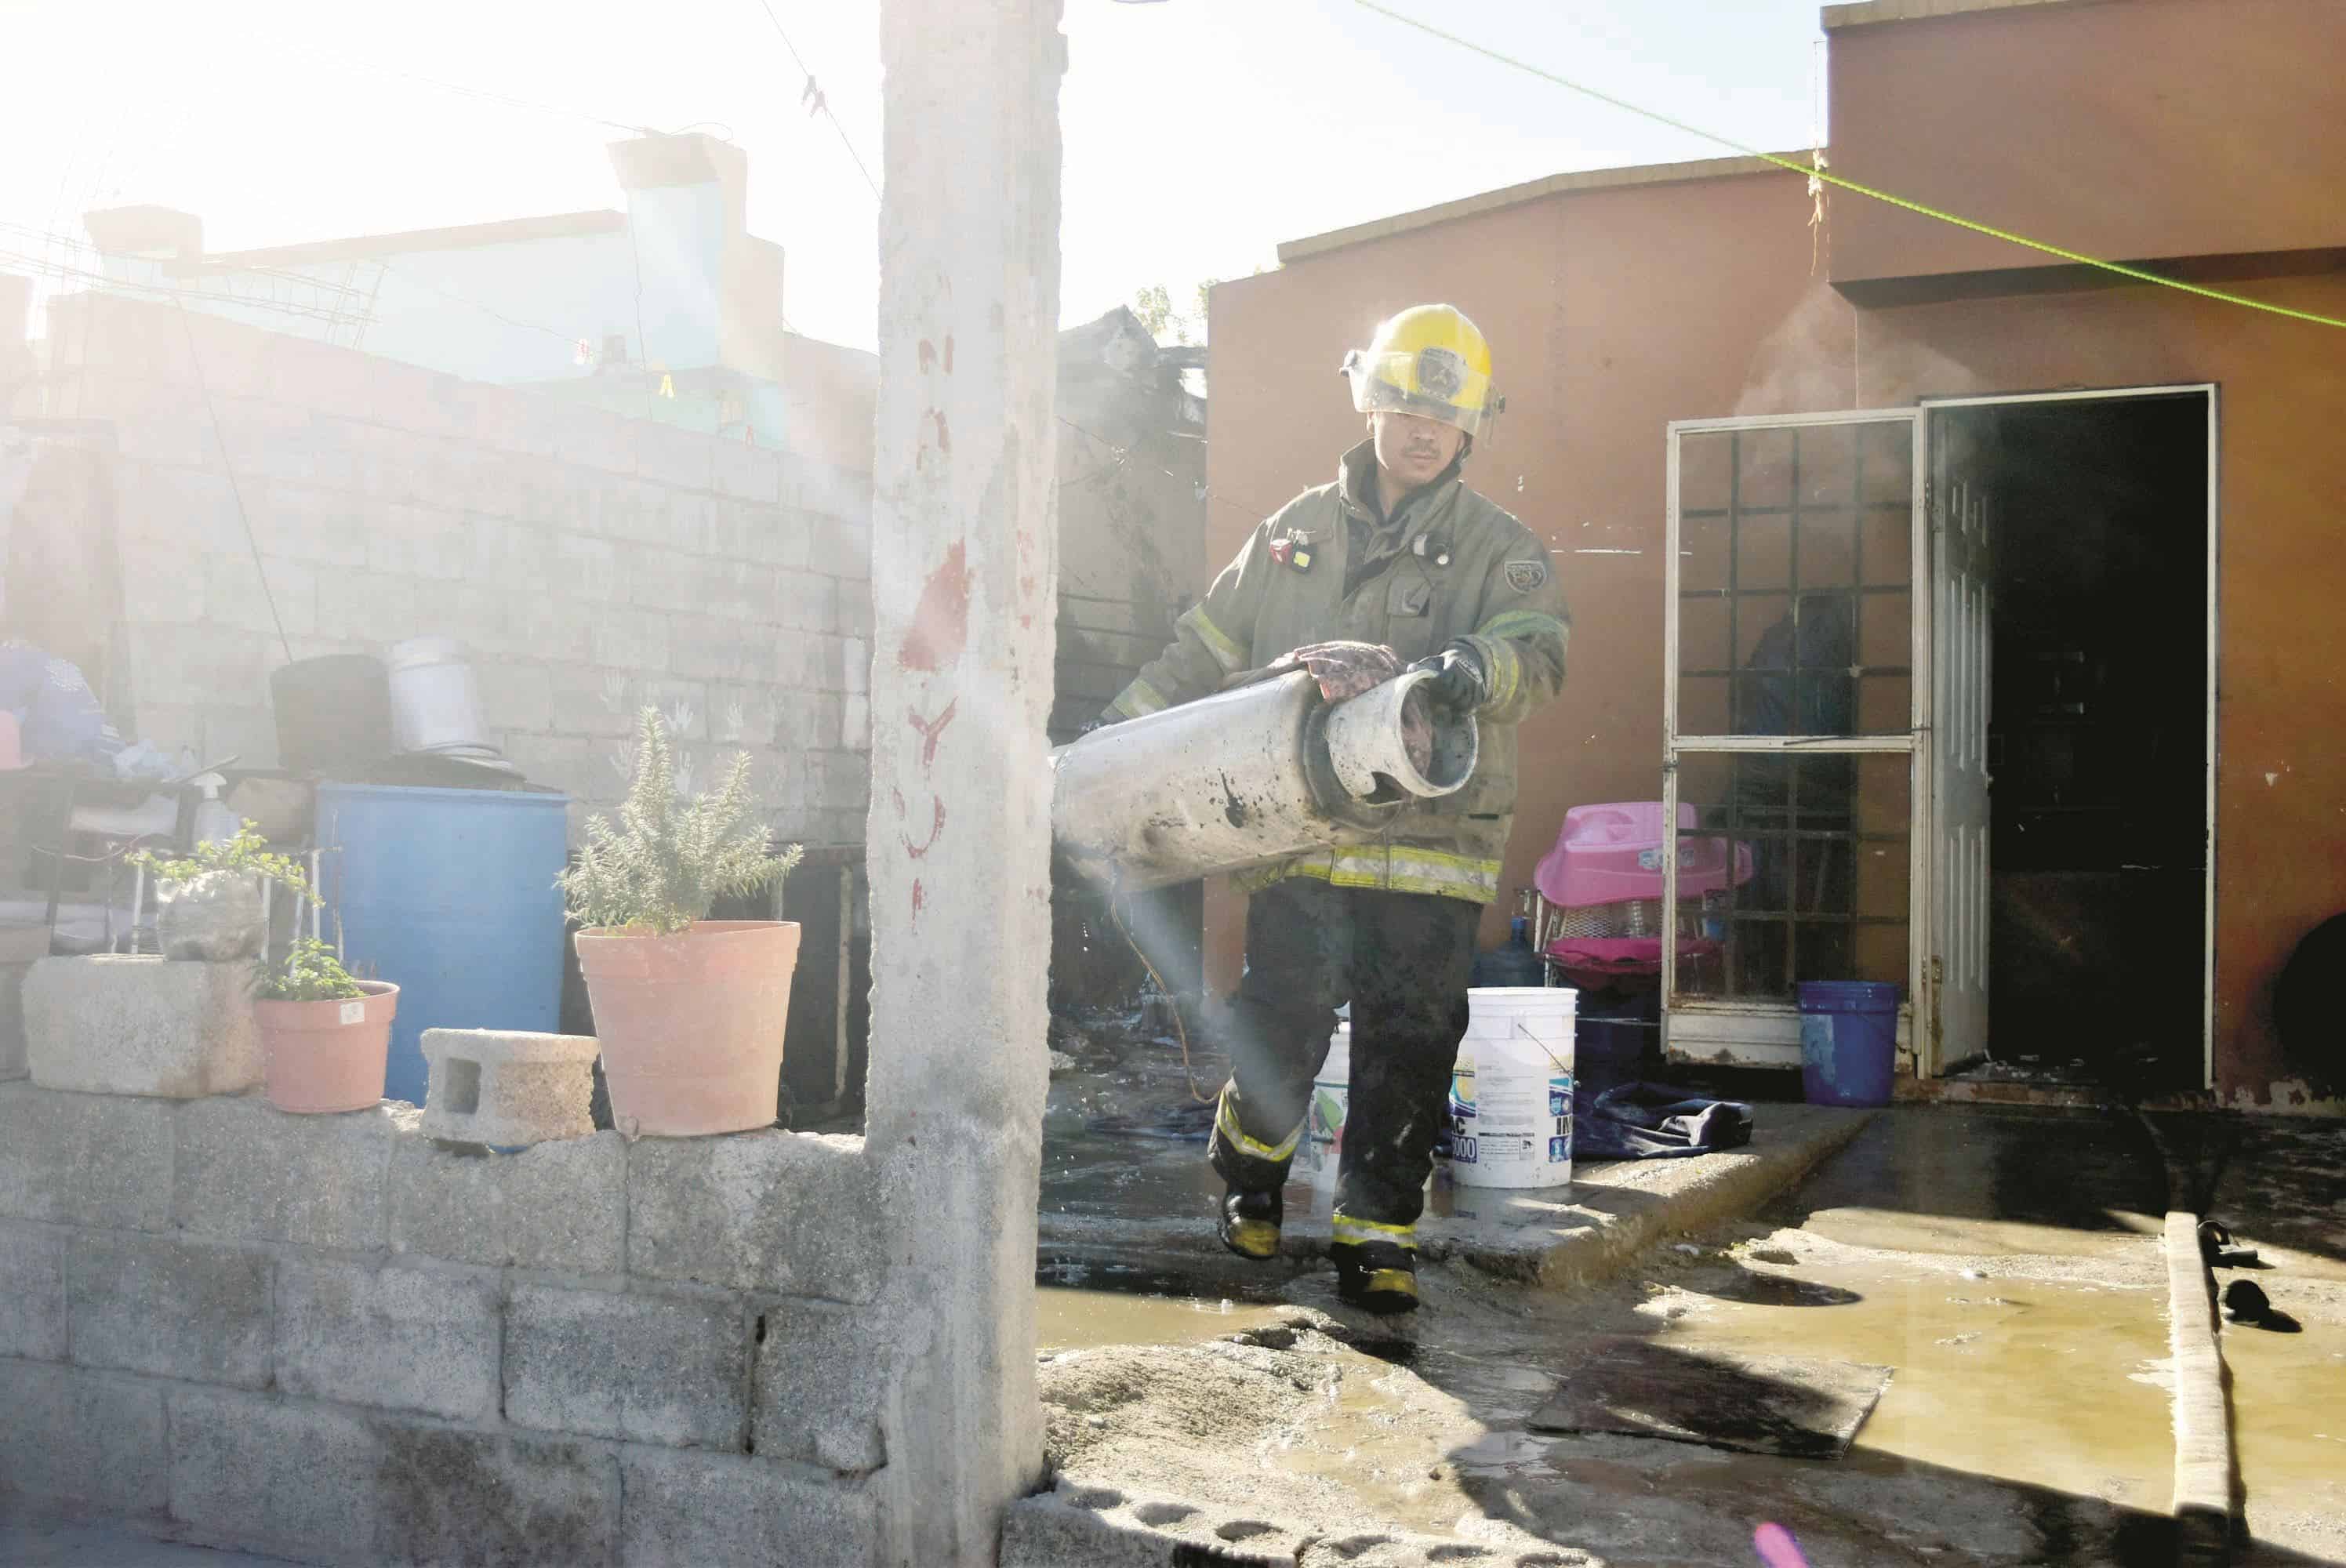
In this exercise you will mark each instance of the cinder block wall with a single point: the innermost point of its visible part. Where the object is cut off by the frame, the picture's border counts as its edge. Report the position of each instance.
(591, 563)
(324, 1336)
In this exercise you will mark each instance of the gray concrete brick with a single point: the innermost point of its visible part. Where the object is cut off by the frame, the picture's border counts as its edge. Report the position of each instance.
(445, 1496)
(197, 662)
(32, 1292)
(74, 1437)
(635, 640)
(515, 694)
(673, 458)
(393, 1337)
(559, 1205)
(790, 1213)
(818, 1375)
(299, 1479)
(327, 528)
(441, 543)
(172, 1308)
(112, 1024)
(747, 472)
(750, 531)
(84, 1159)
(806, 601)
(249, 1171)
(19, 950)
(651, 1368)
(380, 607)
(649, 514)
(709, 650)
(694, 1510)
(590, 567)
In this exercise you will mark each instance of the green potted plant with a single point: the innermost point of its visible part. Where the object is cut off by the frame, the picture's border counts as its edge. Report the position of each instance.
(689, 1011)
(326, 1036)
(207, 903)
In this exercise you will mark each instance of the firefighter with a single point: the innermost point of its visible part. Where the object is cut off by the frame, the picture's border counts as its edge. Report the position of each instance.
(1395, 564)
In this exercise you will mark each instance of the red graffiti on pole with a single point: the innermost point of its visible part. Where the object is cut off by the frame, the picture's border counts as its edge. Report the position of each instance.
(941, 616)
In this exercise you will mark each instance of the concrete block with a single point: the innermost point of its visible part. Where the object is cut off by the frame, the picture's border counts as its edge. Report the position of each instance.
(171, 1309)
(503, 1087)
(443, 545)
(20, 948)
(297, 1479)
(753, 531)
(655, 1369)
(84, 1159)
(692, 1510)
(251, 1172)
(590, 566)
(233, 594)
(600, 702)
(515, 695)
(445, 1496)
(32, 1292)
(393, 1337)
(72, 1438)
(790, 1213)
(707, 649)
(630, 639)
(560, 1206)
(818, 1375)
(748, 472)
(121, 1025)
(379, 608)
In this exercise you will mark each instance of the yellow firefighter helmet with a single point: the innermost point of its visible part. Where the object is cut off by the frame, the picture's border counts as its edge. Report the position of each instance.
(1430, 361)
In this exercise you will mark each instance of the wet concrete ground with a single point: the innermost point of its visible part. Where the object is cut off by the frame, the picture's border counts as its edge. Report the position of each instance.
(2005, 1263)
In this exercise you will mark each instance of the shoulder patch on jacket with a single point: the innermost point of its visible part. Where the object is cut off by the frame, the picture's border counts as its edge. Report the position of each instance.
(1523, 576)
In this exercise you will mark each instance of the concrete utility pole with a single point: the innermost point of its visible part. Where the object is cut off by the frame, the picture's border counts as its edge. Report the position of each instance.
(965, 547)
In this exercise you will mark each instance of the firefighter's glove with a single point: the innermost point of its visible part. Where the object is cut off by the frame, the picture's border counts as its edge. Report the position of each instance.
(1343, 670)
(1458, 683)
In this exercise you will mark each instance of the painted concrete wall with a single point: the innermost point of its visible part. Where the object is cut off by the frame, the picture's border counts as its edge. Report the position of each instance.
(2149, 131)
(591, 563)
(1612, 312)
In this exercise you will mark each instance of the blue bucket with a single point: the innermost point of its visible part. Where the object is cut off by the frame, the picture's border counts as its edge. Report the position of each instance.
(1849, 1041)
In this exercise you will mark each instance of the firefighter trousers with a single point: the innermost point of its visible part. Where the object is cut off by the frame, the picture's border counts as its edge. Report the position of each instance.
(1403, 961)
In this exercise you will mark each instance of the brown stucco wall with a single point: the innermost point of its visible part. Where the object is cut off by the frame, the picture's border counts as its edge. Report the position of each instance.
(2133, 131)
(1614, 312)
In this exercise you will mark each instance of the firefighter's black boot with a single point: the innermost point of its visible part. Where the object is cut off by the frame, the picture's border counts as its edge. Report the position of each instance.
(1375, 1275)
(1249, 1222)
(1376, 1265)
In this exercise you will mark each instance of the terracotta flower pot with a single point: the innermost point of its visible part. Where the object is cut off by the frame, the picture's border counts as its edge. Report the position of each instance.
(691, 1025)
(320, 1057)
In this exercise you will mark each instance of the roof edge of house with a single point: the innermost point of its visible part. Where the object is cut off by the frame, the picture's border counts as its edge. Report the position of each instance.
(1864, 13)
(1531, 190)
(502, 231)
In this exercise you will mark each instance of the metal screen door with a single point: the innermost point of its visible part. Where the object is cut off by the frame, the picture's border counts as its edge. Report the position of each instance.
(1792, 720)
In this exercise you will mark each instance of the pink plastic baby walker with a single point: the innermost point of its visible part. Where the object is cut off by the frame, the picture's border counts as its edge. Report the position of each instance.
(1600, 891)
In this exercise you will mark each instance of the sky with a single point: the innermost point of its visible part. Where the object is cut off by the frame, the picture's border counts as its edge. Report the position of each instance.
(1198, 134)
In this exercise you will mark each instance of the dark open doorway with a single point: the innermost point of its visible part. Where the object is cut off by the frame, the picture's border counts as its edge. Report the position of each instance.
(2097, 738)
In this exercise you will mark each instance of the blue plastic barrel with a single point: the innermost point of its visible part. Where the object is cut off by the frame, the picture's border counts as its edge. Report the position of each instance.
(450, 895)
(1849, 1041)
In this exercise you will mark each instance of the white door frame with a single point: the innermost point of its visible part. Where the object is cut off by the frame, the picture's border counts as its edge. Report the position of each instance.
(2112, 394)
(1763, 1033)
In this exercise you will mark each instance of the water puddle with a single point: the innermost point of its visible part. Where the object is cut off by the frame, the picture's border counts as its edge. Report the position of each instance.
(1067, 1318)
(2024, 1379)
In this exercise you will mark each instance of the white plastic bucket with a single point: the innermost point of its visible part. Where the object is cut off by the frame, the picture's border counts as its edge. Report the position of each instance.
(436, 704)
(1510, 1090)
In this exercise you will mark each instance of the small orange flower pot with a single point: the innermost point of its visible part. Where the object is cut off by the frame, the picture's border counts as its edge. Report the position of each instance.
(691, 1025)
(325, 1057)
